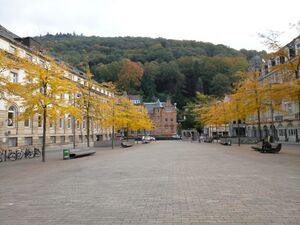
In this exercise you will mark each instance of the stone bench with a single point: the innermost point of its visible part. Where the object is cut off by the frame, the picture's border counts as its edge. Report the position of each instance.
(76, 153)
(271, 148)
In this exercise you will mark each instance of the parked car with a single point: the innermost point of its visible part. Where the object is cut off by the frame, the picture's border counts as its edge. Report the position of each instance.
(148, 138)
(176, 136)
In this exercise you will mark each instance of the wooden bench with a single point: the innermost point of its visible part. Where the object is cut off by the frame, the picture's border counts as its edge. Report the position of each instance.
(76, 153)
(271, 148)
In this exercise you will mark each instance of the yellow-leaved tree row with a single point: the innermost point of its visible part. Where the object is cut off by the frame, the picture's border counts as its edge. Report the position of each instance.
(250, 97)
(42, 92)
(125, 115)
(44, 89)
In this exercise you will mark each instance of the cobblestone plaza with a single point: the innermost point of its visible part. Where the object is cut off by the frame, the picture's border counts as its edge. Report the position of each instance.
(167, 182)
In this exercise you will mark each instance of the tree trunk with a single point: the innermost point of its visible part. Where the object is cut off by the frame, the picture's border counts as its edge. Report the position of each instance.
(44, 133)
(113, 126)
(74, 124)
(88, 130)
(259, 125)
(238, 133)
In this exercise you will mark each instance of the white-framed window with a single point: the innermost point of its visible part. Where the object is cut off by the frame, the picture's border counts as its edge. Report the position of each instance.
(29, 57)
(40, 122)
(28, 140)
(69, 122)
(61, 123)
(27, 123)
(70, 98)
(42, 62)
(13, 142)
(281, 132)
(11, 116)
(288, 107)
(77, 124)
(14, 77)
(62, 139)
(12, 49)
(84, 124)
(52, 139)
(291, 132)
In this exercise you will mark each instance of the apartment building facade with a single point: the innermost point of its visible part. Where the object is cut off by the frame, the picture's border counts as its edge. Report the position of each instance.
(283, 125)
(14, 133)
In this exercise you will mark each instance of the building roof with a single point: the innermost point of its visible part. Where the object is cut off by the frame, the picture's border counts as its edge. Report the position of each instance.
(150, 106)
(135, 97)
(30, 44)
(8, 34)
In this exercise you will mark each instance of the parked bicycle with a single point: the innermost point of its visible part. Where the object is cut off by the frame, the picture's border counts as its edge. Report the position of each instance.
(25, 152)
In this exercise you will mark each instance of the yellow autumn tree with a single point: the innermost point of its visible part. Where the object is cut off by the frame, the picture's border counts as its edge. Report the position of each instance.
(92, 105)
(8, 62)
(42, 92)
(125, 115)
(289, 65)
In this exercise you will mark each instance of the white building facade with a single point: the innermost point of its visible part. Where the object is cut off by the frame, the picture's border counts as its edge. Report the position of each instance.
(14, 133)
(285, 125)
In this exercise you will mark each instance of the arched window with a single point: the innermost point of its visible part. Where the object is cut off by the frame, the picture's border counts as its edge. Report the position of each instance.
(11, 116)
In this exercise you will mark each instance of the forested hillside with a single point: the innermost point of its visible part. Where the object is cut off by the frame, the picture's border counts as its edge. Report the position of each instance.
(169, 67)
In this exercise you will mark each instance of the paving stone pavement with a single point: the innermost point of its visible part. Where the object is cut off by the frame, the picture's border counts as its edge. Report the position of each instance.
(165, 182)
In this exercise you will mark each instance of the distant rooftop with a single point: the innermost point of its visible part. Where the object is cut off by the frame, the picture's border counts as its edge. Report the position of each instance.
(32, 45)
(8, 34)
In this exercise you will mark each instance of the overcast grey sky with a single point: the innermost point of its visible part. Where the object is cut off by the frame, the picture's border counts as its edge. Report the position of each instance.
(235, 23)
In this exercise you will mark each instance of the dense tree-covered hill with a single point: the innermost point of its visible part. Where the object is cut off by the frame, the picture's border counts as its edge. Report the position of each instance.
(171, 68)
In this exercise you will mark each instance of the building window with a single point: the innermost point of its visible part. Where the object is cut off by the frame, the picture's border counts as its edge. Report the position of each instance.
(70, 98)
(11, 115)
(40, 140)
(13, 142)
(83, 124)
(53, 139)
(39, 120)
(62, 139)
(12, 49)
(28, 140)
(42, 62)
(281, 132)
(69, 122)
(291, 132)
(61, 123)
(29, 57)
(78, 124)
(288, 107)
(14, 77)
(71, 138)
(27, 123)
